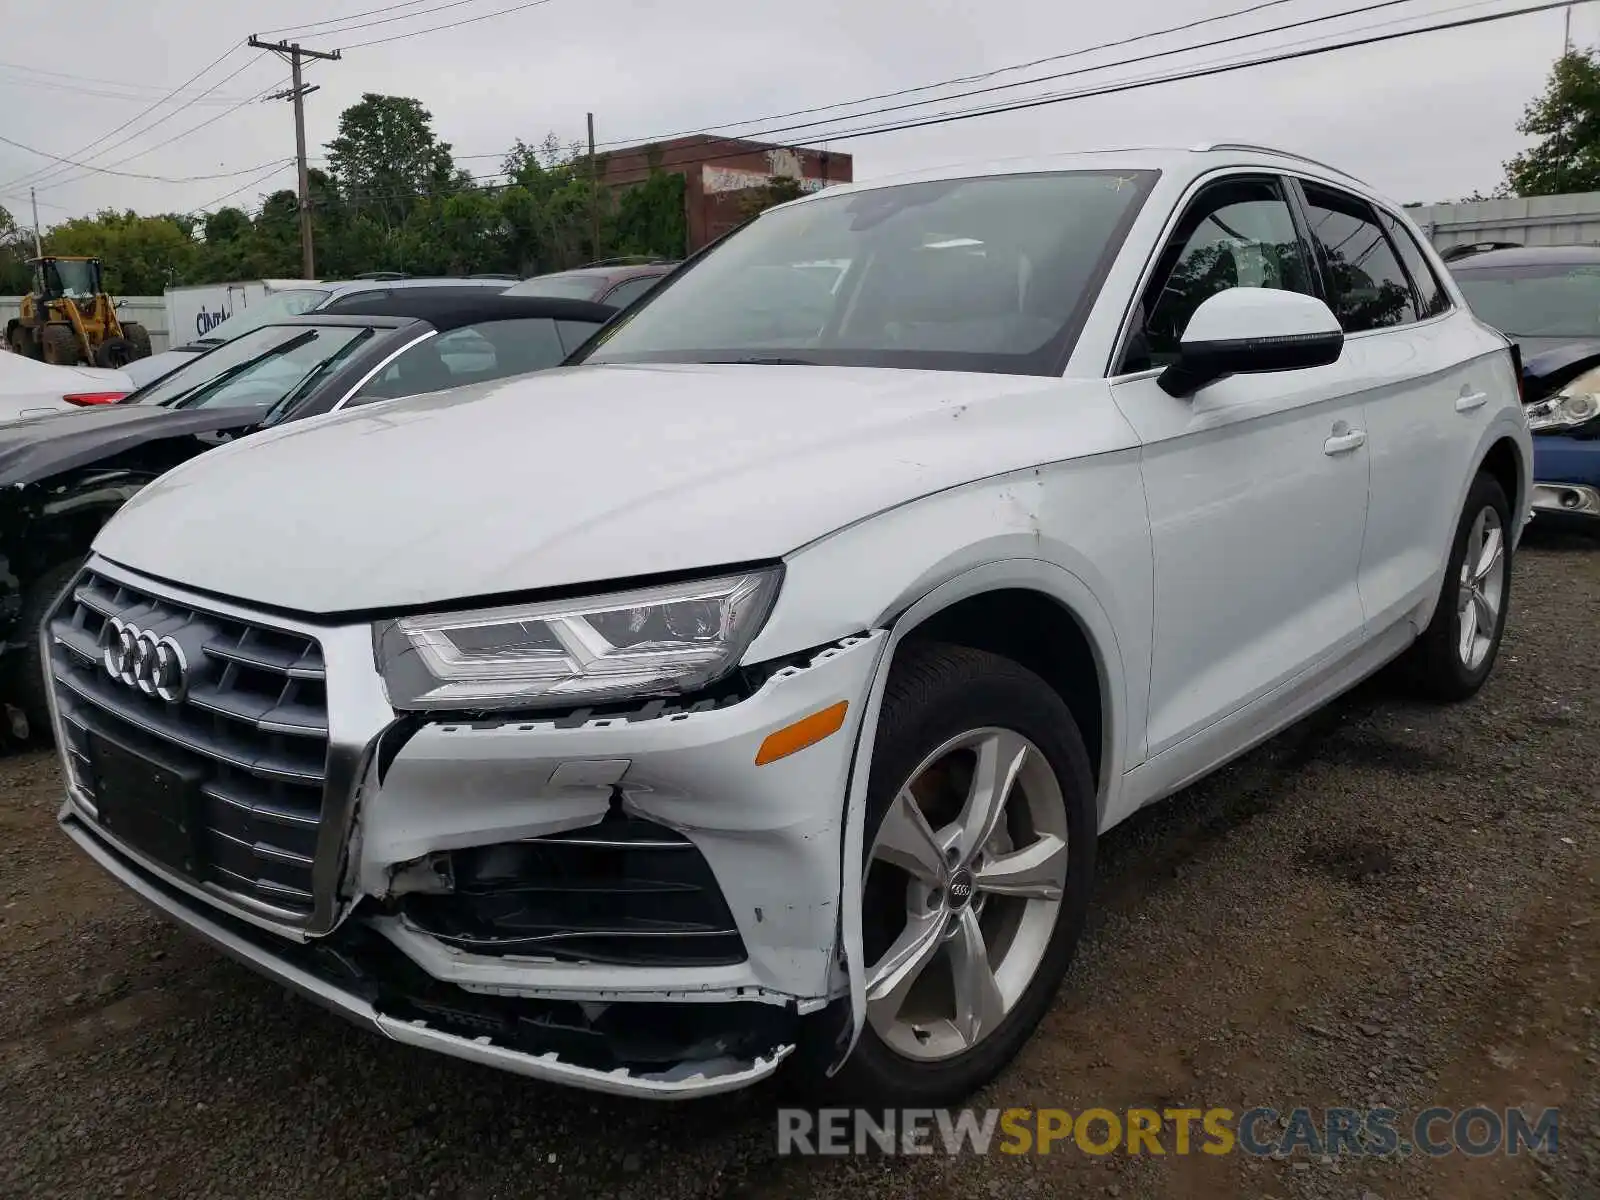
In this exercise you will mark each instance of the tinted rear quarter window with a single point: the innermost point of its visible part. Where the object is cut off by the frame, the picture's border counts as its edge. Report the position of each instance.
(1431, 295)
(1368, 288)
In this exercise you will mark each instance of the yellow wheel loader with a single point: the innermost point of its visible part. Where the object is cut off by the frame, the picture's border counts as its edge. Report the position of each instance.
(68, 319)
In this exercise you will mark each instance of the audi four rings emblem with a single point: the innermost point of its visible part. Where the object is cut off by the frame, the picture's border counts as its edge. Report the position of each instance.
(139, 659)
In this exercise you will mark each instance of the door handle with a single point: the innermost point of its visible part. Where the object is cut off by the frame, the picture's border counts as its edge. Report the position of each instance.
(1343, 443)
(1468, 401)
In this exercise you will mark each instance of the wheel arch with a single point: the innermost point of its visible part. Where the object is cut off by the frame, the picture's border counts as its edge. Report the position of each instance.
(1047, 597)
(1503, 461)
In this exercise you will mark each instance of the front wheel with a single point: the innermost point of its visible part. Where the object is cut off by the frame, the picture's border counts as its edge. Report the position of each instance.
(115, 352)
(981, 839)
(1454, 655)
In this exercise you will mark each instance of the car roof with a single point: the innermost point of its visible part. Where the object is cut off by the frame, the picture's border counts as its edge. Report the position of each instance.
(446, 312)
(1527, 256)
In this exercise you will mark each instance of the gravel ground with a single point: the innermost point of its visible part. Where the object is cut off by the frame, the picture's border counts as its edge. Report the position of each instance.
(1388, 904)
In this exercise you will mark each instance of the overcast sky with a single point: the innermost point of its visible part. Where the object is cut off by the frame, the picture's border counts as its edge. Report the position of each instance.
(1426, 118)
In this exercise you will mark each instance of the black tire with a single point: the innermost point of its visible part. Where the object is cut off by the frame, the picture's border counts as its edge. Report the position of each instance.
(1434, 666)
(937, 692)
(139, 336)
(27, 674)
(20, 340)
(59, 345)
(115, 352)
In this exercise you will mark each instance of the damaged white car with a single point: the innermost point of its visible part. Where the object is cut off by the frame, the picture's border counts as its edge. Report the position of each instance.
(756, 690)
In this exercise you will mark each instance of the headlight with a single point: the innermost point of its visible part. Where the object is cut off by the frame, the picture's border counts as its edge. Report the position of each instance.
(1576, 404)
(1563, 411)
(669, 639)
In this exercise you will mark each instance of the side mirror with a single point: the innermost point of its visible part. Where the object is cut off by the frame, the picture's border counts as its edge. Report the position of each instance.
(1248, 330)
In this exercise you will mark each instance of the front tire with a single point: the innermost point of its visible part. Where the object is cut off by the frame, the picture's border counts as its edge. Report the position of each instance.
(139, 336)
(28, 682)
(980, 835)
(1455, 654)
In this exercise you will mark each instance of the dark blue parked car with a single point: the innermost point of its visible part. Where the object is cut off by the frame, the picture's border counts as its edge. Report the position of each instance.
(1547, 300)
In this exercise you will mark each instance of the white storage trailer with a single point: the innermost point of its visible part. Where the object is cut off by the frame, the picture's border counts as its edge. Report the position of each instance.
(193, 312)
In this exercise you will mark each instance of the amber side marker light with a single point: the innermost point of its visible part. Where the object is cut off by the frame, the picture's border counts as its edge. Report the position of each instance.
(807, 731)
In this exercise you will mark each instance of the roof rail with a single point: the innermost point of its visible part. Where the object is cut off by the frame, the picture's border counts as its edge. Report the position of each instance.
(1453, 253)
(1259, 149)
(382, 275)
(626, 260)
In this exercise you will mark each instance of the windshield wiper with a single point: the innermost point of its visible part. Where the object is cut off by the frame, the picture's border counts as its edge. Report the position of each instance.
(765, 361)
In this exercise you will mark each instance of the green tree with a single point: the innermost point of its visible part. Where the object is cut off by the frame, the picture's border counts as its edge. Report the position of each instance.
(387, 156)
(16, 247)
(1565, 121)
(142, 255)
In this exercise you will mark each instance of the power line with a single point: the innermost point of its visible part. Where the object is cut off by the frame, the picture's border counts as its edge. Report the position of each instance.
(1135, 60)
(1075, 71)
(91, 169)
(961, 79)
(340, 20)
(1204, 70)
(132, 174)
(276, 167)
(37, 177)
(411, 16)
(396, 37)
(129, 91)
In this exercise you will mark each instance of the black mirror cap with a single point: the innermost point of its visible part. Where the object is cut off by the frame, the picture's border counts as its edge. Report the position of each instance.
(1202, 363)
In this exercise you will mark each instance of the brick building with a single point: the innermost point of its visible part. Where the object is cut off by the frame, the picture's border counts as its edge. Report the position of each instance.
(716, 170)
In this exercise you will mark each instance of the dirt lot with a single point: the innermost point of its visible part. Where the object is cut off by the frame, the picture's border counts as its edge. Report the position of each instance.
(1388, 904)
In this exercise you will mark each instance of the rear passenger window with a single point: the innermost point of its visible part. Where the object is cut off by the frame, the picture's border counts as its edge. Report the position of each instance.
(1367, 286)
(471, 354)
(1431, 296)
(1235, 234)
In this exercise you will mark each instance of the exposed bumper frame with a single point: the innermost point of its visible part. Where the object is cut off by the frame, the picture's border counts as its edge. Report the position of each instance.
(685, 1082)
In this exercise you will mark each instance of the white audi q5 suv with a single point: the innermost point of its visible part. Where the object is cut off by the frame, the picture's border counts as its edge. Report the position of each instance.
(756, 688)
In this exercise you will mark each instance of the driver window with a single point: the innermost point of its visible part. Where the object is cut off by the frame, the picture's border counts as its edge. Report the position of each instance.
(1235, 234)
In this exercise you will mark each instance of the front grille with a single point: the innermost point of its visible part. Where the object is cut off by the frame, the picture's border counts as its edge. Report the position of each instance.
(625, 891)
(248, 739)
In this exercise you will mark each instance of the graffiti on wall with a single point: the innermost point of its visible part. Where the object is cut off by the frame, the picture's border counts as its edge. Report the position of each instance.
(781, 164)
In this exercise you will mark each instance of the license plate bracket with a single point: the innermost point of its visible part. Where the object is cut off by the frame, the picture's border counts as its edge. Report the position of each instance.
(149, 807)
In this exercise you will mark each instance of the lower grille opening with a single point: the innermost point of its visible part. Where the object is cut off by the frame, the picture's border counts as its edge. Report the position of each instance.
(625, 891)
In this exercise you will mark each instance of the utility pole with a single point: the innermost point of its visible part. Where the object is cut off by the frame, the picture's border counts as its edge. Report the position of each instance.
(297, 92)
(594, 193)
(38, 249)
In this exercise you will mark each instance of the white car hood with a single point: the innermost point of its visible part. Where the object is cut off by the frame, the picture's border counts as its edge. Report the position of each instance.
(583, 475)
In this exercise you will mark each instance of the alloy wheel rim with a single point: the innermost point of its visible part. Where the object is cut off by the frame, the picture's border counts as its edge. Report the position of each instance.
(1482, 589)
(974, 850)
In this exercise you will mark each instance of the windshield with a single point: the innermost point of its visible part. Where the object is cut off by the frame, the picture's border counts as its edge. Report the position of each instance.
(1554, 300)
(567, 287)
(987, 274)
(274, 308)
(73, 279)
(268, 366)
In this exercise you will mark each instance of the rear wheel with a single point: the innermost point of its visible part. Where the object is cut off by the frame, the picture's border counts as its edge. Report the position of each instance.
(59, 345)
(981, 839)
(1455, 654)
(115, 352)
(20, 340)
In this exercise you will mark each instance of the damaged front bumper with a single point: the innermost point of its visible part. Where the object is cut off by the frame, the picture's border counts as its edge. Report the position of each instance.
(626, 903)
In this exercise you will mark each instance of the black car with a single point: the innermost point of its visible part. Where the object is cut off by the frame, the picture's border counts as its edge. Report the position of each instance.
(1542, 297)
(62, 476)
